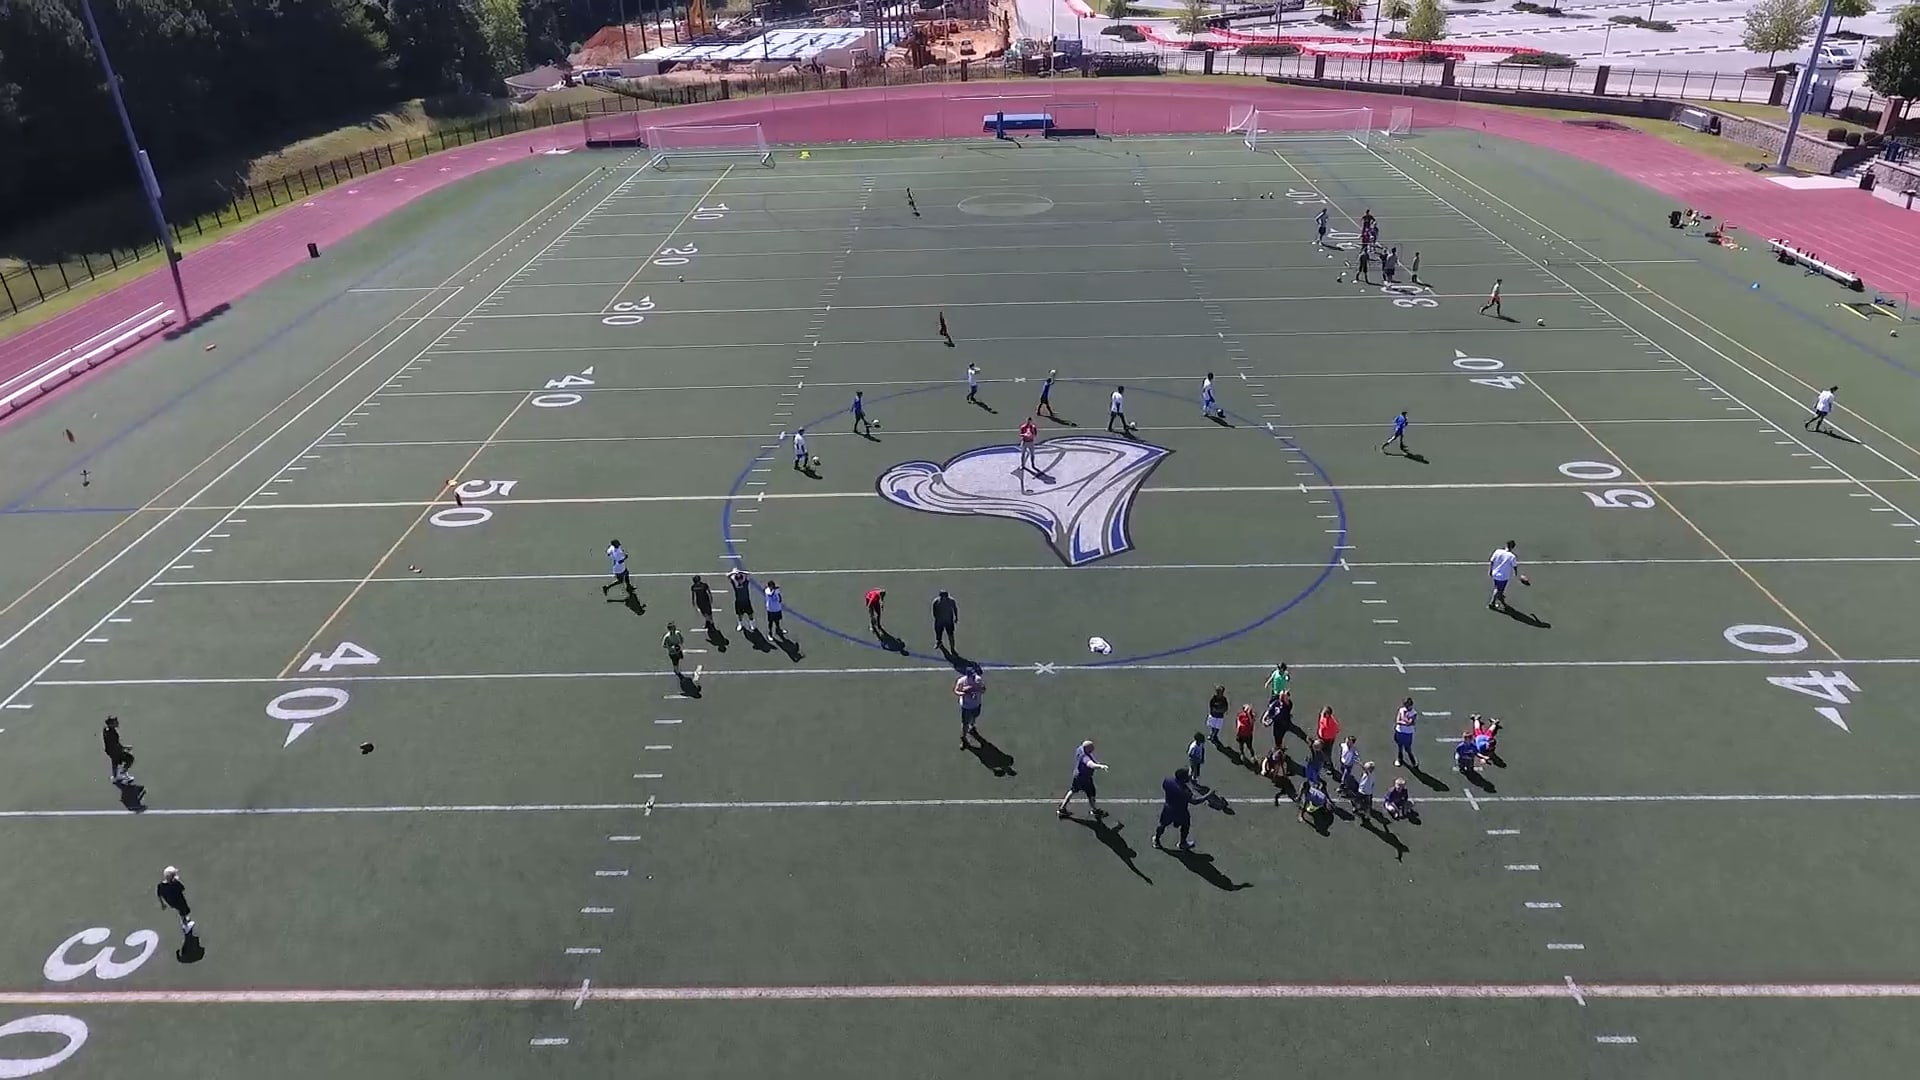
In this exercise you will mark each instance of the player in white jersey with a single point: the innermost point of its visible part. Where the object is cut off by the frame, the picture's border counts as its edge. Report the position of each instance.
(617, 560)
(1503, 566)
(1821, 407)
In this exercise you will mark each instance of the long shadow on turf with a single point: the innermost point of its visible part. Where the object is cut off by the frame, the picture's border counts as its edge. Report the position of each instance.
(191, 951)
(717, 639)
(133, 797)
(1202, 865)
(1433, 783)
(1110, 836)
(1385, 833)
(994, 759)
(632, 603)
(1526, 617)
(1832, 434)
(1411, 456)
(790, 647)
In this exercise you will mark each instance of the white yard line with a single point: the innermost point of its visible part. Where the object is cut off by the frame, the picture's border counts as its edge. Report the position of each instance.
(971, 991)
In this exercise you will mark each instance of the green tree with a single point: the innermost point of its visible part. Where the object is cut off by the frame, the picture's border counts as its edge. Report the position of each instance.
(1395, 10)
(505, 30)
(1194, 15)
(1776, 25)
(1344, 10)
(438, 47)
(1844, 10)
(1427, 23)
(1117, 9)
(1894, 68)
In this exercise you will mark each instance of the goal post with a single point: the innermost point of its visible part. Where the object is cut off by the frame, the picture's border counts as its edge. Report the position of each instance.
(1067, 119)
(673, 145)
(1260, 128)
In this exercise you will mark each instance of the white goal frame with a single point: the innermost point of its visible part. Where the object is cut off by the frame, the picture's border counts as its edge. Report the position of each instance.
(1260, 128)
(695, 141)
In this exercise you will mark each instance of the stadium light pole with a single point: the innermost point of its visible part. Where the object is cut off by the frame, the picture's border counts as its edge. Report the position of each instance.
(149, 184)
(1803, 87)
(1373, 41)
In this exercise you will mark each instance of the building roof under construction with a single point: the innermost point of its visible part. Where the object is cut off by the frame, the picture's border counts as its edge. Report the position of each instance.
(796, 45)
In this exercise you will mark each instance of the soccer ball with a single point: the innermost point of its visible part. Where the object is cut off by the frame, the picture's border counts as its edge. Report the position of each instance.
(1098, 645)
(1539, 322)
(816, 462)
(876, 423)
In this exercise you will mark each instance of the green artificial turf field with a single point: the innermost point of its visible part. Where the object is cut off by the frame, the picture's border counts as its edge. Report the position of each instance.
(559, 859)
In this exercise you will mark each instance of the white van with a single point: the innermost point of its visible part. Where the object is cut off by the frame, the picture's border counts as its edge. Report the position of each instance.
(1835, 55)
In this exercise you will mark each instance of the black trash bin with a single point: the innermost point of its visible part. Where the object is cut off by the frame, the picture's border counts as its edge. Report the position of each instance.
(1866, 180)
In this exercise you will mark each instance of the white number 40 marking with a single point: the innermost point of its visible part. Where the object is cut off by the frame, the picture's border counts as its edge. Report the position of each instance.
(70, 1028)
(103, 963)
(1825, 685)
(344, 653)
(1502, 382)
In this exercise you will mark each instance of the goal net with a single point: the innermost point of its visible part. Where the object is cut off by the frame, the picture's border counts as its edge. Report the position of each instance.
(673, 145)
(1263, 127)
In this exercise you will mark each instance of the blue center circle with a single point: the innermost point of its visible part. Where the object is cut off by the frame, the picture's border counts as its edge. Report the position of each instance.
(1241, 423)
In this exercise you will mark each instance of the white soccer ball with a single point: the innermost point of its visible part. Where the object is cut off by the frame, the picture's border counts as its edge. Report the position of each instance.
(1098, 645)
(816, 462)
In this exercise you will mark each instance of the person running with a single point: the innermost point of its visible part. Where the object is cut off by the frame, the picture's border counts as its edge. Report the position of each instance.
(860, 414)
(742, 601)
(1117, 410)
(1822, 406)
(1197, 755)
(1404, 722)
(172, 893)
(973, 384)
(119, 757)
(1493, 299)
(1399, 433)
(617, 560)
(1209, 408)
(943, 330)
(776, 609)
(876, 603)
(1084, 766)
(703, 601)
(970, 688)
(1217, 706)
(1046, 397)
(1504, 566)
(1280, 717)
(1178, 811)
(1243, 734)
(800, 450)
(1028, 433)
(1320, 227)
(673, 641)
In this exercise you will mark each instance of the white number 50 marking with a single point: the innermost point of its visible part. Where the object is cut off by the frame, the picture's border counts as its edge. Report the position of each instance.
(103, 964)
(70, 1028)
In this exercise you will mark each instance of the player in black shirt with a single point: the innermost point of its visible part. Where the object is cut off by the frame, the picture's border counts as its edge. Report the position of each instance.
(119, 758)
(703, 600)
(742, 600)
(173, 894)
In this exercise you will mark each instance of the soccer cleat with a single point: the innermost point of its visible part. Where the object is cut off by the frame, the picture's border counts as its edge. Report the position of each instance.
(1186, 845)
(190, 927)
(1063, 813)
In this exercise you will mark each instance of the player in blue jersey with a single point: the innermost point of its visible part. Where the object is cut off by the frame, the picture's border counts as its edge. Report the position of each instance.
(1399, 434)
(1046, 398)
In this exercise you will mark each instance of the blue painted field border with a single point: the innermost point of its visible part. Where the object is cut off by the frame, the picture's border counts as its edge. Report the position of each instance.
(458, 220)
(1241, 423)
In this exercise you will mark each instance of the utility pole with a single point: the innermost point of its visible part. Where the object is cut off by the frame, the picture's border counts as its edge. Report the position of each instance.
(149, 184)
(1803, 87)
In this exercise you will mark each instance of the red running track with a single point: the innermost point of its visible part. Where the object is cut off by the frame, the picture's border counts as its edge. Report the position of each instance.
(1874, 239)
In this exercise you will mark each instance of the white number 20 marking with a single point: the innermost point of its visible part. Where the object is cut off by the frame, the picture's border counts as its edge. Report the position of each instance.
(70, 1028)
(675, 256)
(103, 963)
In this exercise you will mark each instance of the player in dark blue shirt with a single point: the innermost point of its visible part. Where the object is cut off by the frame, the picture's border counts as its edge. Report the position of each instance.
(859, 408)
(1178, 811)
(1046, 398)
(1399, 434)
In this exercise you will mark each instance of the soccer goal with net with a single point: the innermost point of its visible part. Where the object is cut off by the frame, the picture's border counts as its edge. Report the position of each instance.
(681, 145)
(1261, 128)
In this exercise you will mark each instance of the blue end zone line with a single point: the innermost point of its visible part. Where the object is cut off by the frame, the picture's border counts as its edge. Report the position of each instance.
(20, 505)
(1633, 225)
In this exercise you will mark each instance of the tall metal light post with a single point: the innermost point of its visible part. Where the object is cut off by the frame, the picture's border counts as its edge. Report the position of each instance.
(1374, 41)
(1803, 87)
(149, 184)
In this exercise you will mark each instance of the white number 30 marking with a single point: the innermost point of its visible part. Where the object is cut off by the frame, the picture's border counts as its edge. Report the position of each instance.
(103, 963)
(69, 1028)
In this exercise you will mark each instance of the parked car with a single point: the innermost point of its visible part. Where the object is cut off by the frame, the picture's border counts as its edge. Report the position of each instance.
(1833, 55)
